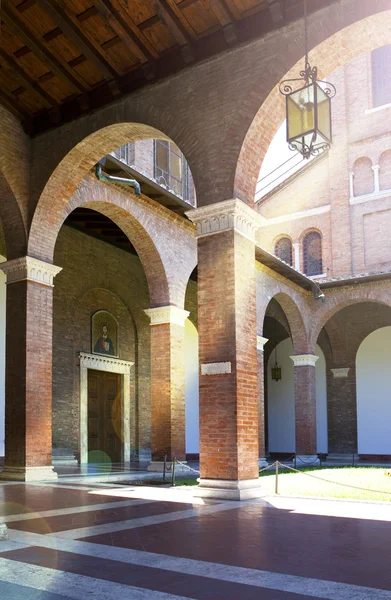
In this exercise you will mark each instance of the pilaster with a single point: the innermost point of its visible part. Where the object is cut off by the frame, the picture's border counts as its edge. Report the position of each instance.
(28, 412)
(167, 384)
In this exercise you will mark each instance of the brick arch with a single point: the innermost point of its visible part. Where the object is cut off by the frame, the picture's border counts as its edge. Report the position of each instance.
(167, 270)
(11, 219)
(379, 294)
(331, 48)
(295, 320)
(71, 169)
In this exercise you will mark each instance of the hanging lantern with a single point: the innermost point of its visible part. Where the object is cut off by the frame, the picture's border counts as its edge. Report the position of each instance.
(276, 372)
(308, 108)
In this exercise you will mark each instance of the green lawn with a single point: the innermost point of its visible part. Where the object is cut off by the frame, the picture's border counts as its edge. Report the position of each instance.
(300, 484)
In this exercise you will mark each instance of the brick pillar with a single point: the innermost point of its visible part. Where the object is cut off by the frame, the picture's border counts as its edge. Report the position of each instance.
(28, 405)
(342, 410)
(262, 462)
(305, 407)
(227, 350)
(167, 384)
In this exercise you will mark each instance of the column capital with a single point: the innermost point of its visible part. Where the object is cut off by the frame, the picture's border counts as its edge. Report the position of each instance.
(230, 215)
(304, 360)
(28, 268)
(340, 373)
(261, 341)
(167, 314)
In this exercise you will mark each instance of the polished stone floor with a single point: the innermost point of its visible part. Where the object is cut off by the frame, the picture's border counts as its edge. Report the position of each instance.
(102, 541)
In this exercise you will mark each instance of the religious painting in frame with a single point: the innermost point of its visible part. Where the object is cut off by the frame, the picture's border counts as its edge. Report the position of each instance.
(104, 334)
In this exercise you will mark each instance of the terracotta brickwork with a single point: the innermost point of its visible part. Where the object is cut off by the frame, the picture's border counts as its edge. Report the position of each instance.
(226, 316)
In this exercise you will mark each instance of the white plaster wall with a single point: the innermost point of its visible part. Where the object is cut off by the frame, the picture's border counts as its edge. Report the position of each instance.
(281, 402)
(321, 403)
(2, 355)
(373, 366)
(192, 389)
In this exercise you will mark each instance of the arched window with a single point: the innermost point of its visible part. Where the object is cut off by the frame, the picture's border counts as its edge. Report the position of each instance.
(312, 253)
(283, 250)
(385, 170)
(364, 178)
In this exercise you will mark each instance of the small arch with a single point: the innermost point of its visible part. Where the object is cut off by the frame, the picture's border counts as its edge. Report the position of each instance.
(364, 179)
(312, 253)
(294, 318)
(385, 170)
(283, 249)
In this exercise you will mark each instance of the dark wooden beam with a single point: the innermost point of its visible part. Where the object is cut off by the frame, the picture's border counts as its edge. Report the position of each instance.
(69, 28)
(25, 5)
(176, 29)
(46, 99)
(60, 68)
(225, 19)
(8, 100)
(276, 10)
(128, 31)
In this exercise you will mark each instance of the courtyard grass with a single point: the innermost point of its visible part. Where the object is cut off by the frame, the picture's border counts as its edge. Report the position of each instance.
(374, 479)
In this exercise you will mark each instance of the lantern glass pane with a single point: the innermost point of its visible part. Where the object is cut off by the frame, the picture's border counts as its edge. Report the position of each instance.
(300, 112)
(324, 114)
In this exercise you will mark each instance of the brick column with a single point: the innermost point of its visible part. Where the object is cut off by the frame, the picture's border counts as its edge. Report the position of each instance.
(262, 462)
(167, 384)
(227, 350)
(28, 405)
(305, 407)
(342, 410)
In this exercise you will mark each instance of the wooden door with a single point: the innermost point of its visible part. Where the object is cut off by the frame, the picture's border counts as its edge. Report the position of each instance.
(104, 417)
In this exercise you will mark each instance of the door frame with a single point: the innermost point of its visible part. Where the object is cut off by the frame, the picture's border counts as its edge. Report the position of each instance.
(97, 362)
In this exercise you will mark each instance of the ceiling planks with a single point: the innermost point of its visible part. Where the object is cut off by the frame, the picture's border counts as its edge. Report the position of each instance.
(70, 56)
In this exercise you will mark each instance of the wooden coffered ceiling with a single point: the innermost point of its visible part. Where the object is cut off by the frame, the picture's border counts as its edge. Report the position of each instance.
(62, 58)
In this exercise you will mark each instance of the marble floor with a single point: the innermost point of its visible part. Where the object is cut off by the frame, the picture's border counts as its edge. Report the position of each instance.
(104, 541)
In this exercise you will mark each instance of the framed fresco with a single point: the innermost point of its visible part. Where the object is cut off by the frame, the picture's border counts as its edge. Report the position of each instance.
(104, 334)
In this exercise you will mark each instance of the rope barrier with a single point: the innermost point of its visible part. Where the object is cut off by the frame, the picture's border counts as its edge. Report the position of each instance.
(187, 466)
(355, 487)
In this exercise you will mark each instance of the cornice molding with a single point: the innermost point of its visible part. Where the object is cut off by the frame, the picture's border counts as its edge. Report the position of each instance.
(30, 269)
(105, 363)
(261, 341)
(230, 215)
(167, 314)
(340, 373)
(304, 360)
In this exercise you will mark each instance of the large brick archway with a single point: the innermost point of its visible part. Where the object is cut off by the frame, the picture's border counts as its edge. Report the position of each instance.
(167, 270)
(367, 32)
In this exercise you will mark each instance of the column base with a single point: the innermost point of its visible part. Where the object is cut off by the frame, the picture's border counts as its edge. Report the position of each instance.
(3, 532)
(223, 489)
(29, 474)
(307, 460)
(157, 466)
(262, 463)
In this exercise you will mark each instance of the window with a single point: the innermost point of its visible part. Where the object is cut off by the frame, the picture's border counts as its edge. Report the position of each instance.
(312, 253)
(283, 250)
(381, 76)
(364, 178)
(170, 168)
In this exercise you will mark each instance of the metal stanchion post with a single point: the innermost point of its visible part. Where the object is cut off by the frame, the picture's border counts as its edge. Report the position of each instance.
(164, 467)
(277, 477)
(173, 471)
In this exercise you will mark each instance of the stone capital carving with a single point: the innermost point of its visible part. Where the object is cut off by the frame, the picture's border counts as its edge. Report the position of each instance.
(30, 269)
(225, 216)
(167, 314)
(105, 363)
(304, 360)
(220, 368)
(340, 373)
(261, 341)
